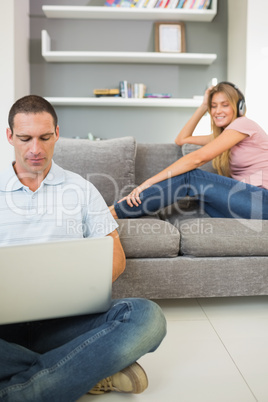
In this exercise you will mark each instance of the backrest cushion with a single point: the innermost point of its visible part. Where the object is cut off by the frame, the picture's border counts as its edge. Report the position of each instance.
(188, 148)
(108, 164)
(152, 158)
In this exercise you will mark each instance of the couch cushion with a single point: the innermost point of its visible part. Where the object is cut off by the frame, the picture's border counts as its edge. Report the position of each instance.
(152, 158)
(148, 238)
(218, 237)
(108, 164)
(185, 208)
(188, 148)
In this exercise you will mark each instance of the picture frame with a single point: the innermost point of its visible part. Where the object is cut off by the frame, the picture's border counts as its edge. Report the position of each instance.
(170, 37)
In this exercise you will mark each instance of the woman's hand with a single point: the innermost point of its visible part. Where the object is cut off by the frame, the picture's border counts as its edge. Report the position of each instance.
(206, 96)
(185, 136)
(133, 198)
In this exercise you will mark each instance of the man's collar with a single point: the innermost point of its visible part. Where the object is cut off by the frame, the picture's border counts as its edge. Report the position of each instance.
(55, 175)
(10, 182)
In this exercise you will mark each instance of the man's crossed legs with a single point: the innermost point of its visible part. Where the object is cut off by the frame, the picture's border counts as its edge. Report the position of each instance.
(62, 359)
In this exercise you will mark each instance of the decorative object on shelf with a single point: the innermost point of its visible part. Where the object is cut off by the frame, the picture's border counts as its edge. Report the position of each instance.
(170, 37)
(92, 137)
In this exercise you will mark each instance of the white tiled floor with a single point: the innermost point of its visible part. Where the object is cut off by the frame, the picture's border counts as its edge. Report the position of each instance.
(216, 350)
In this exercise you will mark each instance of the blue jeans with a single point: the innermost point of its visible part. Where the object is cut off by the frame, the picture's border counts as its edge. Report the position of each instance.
(219, 196)
(62, 359)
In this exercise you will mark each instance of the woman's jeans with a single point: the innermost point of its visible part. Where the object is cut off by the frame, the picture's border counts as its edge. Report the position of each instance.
(219, 196)
(62, 359)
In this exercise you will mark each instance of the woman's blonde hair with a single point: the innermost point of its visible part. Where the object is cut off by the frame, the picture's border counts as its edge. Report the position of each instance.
(222, 162)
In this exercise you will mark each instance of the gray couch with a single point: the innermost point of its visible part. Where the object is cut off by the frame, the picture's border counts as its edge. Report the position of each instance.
(179, 252)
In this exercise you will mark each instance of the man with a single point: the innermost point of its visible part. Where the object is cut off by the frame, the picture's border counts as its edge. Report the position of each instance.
(62, 359)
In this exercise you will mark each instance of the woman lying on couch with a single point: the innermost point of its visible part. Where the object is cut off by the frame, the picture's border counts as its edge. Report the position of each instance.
(239, 150)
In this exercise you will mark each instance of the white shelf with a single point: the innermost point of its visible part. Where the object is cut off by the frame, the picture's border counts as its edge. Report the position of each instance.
(155, 14)
(121, 57)
(121, 102)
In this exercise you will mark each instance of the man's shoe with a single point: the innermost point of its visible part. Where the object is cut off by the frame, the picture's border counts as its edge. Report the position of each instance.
(132, 379)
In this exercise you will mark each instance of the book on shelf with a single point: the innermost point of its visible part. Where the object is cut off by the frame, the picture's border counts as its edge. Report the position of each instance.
(106, 92)
(197, 4)
(207, 4)
(149, 4)
(134, 3)
(167, 4)
(123, 90)
(112, 3)
(188, 4)
(173, 4)
(138, 90)
(128, 90)
(157, 95)
(142, 3)
(181, 3)
(163, 3)
(194, 4)
(125, 3)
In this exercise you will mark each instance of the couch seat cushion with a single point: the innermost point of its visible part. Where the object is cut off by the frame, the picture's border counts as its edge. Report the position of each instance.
(148, 238)
(108, 164)
(217, 237)
(185, 208)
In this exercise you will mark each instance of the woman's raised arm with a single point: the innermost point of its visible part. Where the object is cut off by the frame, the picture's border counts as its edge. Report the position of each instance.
(185, 136)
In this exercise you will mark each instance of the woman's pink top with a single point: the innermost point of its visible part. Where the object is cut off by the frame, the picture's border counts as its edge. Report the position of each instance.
(249, 158)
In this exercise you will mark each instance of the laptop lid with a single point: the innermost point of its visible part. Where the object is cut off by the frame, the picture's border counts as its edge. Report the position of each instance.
(50, 280)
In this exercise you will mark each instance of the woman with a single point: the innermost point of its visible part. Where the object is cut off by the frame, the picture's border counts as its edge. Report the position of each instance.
(238, 148)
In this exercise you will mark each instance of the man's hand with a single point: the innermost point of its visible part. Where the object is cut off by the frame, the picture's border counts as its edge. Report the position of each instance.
(119, 258)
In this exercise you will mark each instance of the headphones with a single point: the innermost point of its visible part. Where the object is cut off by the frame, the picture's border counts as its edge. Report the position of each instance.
(241, 104)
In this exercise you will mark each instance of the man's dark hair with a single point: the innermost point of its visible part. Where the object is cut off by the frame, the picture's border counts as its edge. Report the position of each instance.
(31, 104)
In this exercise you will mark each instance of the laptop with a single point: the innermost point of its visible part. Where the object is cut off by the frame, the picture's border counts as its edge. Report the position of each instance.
(59, 279)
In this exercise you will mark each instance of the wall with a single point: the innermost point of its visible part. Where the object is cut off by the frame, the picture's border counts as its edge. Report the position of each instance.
(257, 61)
(14, 65)
(248, 54)
(237, 42)
(6, 77)
(77, 79)
(21, 48)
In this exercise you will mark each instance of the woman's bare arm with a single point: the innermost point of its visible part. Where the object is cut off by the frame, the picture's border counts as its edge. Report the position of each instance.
(186, 134)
